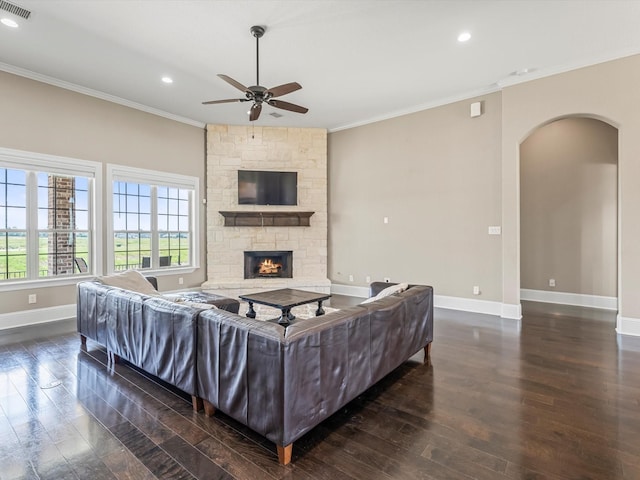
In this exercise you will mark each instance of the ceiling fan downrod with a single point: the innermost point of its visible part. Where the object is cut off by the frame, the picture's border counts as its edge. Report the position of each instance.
(257, 31)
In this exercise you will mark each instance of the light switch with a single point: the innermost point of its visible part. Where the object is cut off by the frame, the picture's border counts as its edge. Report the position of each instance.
(495, 230)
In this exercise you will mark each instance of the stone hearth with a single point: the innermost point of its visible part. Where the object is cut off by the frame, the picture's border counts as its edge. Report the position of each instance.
(232, 148)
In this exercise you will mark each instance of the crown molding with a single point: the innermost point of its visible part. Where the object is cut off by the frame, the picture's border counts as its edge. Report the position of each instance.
(5, 67)
(419, 108)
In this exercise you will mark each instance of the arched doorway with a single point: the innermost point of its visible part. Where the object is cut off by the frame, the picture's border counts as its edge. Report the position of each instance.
(569, 213)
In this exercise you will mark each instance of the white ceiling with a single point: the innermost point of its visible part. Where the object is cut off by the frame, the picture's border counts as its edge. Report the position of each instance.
(358, 61)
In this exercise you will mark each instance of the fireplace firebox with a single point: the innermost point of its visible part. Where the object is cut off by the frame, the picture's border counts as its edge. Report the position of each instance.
(268, 264)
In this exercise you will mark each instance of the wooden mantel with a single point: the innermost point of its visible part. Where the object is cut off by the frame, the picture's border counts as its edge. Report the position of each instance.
(266, 219)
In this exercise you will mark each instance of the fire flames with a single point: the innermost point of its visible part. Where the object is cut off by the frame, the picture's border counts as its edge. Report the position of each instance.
(268, 267)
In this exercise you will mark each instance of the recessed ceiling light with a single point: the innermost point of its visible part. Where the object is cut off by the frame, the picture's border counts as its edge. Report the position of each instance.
(167, 79)
(9, 22)
(464, 37)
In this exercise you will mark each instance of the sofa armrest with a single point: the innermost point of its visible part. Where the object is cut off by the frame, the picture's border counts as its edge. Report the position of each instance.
(153, 281)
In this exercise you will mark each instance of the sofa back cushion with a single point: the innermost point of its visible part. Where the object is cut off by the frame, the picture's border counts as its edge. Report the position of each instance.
(130, 280)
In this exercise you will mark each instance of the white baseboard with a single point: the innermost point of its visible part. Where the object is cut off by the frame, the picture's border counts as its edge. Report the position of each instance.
(628, 326)
(467, 304)
(349, 290)
(36, 316)
(512, 311)
(442, 301)
(580, 300)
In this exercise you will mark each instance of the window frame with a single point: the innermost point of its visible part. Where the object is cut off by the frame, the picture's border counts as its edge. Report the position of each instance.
(154, 179)
(32, 162)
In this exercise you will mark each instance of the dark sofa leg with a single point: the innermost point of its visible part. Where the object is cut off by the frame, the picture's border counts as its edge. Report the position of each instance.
(209, 409)
(197, 403)
(284, 453)
(83, 340)
(427, 354)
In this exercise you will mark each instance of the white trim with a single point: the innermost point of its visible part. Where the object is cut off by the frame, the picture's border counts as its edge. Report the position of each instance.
(36, 316)
(628, 326)
(30, 161)
(349, 290)
(467, 304)
(442, 301)
(511, 311)
(418, 108)
(52, 163)
(124, 173)
(141, 175)
(97, 94)
(564, 298)
(497, 87)
(47, 282)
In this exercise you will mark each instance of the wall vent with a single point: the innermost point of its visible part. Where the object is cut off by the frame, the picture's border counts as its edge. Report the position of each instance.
(15, 9)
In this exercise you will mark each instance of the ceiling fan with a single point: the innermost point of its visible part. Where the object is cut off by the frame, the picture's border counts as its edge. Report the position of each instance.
(259, 94)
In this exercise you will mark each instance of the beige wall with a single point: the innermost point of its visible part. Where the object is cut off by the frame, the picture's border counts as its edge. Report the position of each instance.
(42, 118)
(568, 207)
(433, 174)
(608, 91)
(436, 175)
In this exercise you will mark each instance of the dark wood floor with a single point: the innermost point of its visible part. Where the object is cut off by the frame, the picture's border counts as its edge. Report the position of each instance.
(553, 396)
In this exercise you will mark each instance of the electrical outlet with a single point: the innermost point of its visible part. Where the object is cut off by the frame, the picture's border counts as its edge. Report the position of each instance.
(33, 298)
(387, 279)
(552, 282)
(351, 278)
(180, 280)
(367, 279)
(476, 290)
(385, 220)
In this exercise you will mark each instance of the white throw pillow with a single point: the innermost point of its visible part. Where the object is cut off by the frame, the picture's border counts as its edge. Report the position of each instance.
(393, 289)
(130, 280)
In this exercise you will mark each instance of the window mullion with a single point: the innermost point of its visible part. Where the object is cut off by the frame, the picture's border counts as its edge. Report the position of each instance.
(33, 239)
(155, 236)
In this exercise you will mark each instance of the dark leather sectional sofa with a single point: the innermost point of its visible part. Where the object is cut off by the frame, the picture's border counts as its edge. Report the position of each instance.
(279, 382)
(152, 333)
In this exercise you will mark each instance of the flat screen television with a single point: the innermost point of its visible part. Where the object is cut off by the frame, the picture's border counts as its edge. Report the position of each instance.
(267, 188)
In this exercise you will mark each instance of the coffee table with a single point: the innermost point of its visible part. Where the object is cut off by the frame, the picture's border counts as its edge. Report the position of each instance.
(284, 299)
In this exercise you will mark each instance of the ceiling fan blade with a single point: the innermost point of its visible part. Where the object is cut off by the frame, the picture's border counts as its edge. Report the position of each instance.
(288, 106)
(228, 100)
(284, 89)
(233, 82)
(256, 108)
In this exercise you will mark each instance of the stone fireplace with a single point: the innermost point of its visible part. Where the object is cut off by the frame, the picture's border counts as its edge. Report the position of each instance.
(299, 229)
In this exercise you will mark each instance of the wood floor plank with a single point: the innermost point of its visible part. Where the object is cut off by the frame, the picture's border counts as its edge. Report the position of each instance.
(556, 398)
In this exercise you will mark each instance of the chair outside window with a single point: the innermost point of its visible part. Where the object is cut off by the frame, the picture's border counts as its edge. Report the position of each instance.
(164, 261)
(81, 265)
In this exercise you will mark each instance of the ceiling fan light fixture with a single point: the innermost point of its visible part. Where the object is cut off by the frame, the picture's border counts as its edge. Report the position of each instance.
(257, 93)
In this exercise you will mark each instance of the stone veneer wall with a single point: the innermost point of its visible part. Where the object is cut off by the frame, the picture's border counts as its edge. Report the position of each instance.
(233, 148)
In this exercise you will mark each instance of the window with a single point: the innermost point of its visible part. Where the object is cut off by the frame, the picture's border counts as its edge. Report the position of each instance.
(153, 226)
(46, 217)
